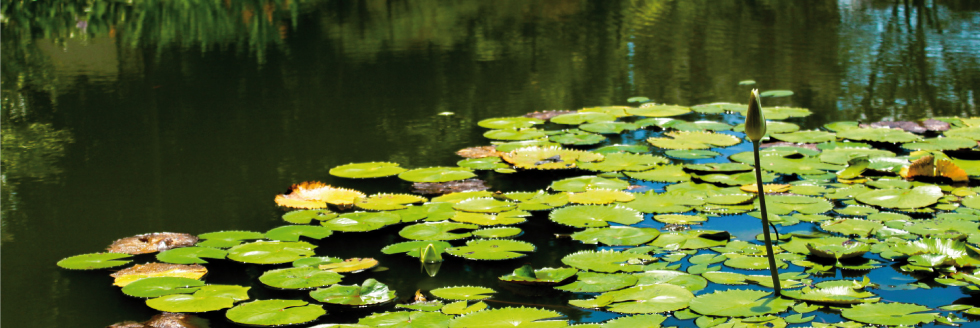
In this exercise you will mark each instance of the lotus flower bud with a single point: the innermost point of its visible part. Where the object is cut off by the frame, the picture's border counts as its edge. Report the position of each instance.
(755, 122)
(430, 254)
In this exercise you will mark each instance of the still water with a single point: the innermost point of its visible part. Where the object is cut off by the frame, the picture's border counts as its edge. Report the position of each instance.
(120, 119)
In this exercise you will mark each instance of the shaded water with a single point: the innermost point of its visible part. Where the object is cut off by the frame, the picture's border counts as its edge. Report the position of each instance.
(120, 119)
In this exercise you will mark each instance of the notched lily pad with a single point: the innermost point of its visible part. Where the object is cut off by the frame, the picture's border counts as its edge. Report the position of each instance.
(616, 235)
(491, 249)
(299, 278)
(387, 202)
(270, 252)
(436, 231)
(149, 270)
(607, 261)
(371, 292)
(739, 303)
(367, 170)
(275, 312)
(889, 314)
(191, 255)
(354, 264)
(583, 183)
(437, 174)
(549, 158)
(541, 277)
(293, 232)
(463, 293)
(510, 317)
(584, 216)
(439, 188)
(94, 261)
(226, 239)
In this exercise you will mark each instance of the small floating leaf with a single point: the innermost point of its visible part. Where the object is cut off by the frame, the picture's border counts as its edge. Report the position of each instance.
(299, 278)
(739, 303)
(160, 286)
(776, 93)
(350, 265)
(140, 271)
(510, 317)
(651, 110)
(606, 261)
(583, 216)
(314, 194)
(541, 277)
(402, 319)
(368, 293)
(463, 293)
(367, 170)
(509, 122)
(491, 249)
(362, 221)
(413, 248)
(616, 235)
(275, 312)
(436, 231)
(436, 174)
(592, 282)
(226, 239)
(94, 261)
(305, 216)
(270, 252)
(387, 202)
(191, 255)
(583, 183)
(550, 158)
(293, 232)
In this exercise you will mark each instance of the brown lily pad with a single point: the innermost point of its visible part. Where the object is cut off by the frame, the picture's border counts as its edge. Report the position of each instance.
(548, 114)
(479, 152)
(166, 320)
(152, 242)
(128, 275)
(315, 194)
(440, 188)
(935, 125)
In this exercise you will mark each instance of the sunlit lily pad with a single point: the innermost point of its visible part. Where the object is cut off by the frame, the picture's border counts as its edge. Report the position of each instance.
(616, 235)
(367, 170)
(668, 202)
(355, 264)
(655, 298)
(739, 303)
(226, 239)
(306, 216)
(776, 93)
(550, 158)
(484, 219)
(540, 277)
(509, 122)
(362, 221)
(889, 314)
(718, 108)
(935, 252)
(752, 263)
(592, 282)
(772, 127)
(692, 154)
(832, 295)
(436, 231)
(293, 232)
(606, 261)
(659, 110)
(786, 204)
(624, 162)
(191, 255)
(694, 140)
(691, 239)
(153, 270)
(436, 174)
(491, 249)
(879, 135)
(537, 201)
(413, 248)
(160, 286)
(807, 136)
(501, 232)
(207, 298)
(299, 278)
(600, 197)
(387, 202)
(485, 163)
(463, 293)
(270, 252)
(484, 205)
(275, 312)
(852, 226)
(581, 118)
(94, 261)
(621, 148)
(510, 317)
(584, 216)
(403, 319)
(505, 147)
(577, 138)
(666, 173)
(608, 127)
(697, 126)
(917, 197)
(313, 195)
(679, 218)
(583, 183)
(948, 143)
(370, 292)
(845, 250)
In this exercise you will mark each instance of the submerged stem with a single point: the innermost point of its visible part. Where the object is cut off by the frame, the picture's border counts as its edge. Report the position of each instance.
(765, 219)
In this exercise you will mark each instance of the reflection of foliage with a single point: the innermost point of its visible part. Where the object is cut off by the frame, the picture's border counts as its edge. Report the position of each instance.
(30, 151)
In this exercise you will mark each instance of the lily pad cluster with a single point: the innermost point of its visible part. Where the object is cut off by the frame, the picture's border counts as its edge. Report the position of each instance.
(638, 193)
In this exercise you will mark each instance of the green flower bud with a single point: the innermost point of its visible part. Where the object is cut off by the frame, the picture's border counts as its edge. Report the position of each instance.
(755, 122)
(430, 254)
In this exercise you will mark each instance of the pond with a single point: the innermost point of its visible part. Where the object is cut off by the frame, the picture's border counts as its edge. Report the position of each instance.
(120, 119)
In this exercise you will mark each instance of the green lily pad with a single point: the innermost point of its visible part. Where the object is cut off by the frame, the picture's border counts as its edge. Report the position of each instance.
(491, 249)
(600, 197)
(752, 263)
(205, 299)
(655, 298)
(541, 277)
(583, 183)
(505, 218)
(306, 216)
(737, 179)
(270, 252)
(856, 227)
(517, 122)
(367, 170)
(584, 216)
(694, 140)
(370, 292)
(718, 108)
(845, 250)
(621, 148)
(636, 321)
(879, 135)
(387, 202)
(692, 154)
(698, 126)
(437, 174)
(502, 232)
(293, 232)
(776, 93)
(889, 314)
(940, 226)
(537, 201)
(456, 197)
(463, 293)
(659, 110)
(617, 111)
(690, 282)
(668, 202)
(624, 162)
(934, 252)
(948, 143)
(436, 231)
(581, 118)
(510, 317)
(514, 134)
(838, 295)
(506, 147)
(315, 261)
(275, 312)
(191, 255)
(362, 221)
(485, 163)
(93, 261)
(616, 235)
(403, 319)
(691, 239)
(299, 278)
(856, 210)
(592, 282)
(606, 261)
(679, 218)
(429, 306)
(608, 127)
(842, 156)
(666, 173)
(226, 239)
(484, 205)
(414, 248)
(160, 286)
(577, 138)
(739, 303)
(550, 158)
(786, 204)
(772, 127)
(917, 197)
(806, 136)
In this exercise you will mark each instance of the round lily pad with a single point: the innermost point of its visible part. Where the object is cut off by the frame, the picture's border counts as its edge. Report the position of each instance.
(436, 231)
(502, 232)
(739, 303)
(387, 202)
(484, 205)
(275, 312)
(606, 261)
(666, 173)
(514, 134)
(650, 110)
(94, 261)
(692, 154)
(584, 216)
(600, 197)
(679, 218)
(692, 239)
(593, 282)
(191, 255)
(361, 221)
(879, 135)
(437, 174)
(404, 319)
(491, 249)
(616, 235)
(510, 317)
(852, 226)
(414, 248)
(889, 314)
(949, 143)
(577, 138)
(463, 293)
(505, 218)
(549, 158)
(624, 162)
(367, 170)
(581, 118)
(315, 261)
(160, 286)
(371, 292)
(776, 93)
(517, 122)
(917, 197)
(608, 127)
(539, 277)
(293, 232)
(270, 252)
(305, 216)
(355, 264)
(655, 298)
(583, 183)
(808, 136)
(207, 298)
(226, 239)
(485, 163)
(299, 278)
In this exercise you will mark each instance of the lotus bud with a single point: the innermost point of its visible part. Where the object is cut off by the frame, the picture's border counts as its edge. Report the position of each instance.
(755, 122)
(430, 255)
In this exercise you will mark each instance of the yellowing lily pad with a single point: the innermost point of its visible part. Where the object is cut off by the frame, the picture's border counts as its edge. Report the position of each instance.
(436, 174)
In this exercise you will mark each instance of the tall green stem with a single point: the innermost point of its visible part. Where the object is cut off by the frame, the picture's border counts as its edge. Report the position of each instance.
(765, 219)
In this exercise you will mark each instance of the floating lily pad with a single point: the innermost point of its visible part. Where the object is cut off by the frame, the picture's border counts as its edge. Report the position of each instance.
(293, 232)
(852, 226)
(669, 202)
(583, 183)
(355, 264)
(551, 158)
(600, 197)
(776, 93)
(592, 282)
(879, 135)
(845, 250)
(624, 162)
(510, 317)
(226, 239)
(666, 173)
(140, 271)
(607, 127)
(463, 293)
(683, 140)
(808, 136)
(616, 235)
(371, 292)
(540, 277)
(367, 170)
(581, 118)
(491, 249)
(314, 194)
(509, 122)
(697, 126)
(752, 263)
(436, 231)
(270, 252)
(948, 143)
(484, 205)
(275, 312)
(917, 197)
(739, 303)
(403, 319)
(387, 202)
(690, 282)
(584, 216)
(299, 278)
(692, 154)
(786, 204)
(679, 218)
(935, 252)
(772, 127)
(414, 248)
(577, 138)
(436, 174)
(485, 163)
(160, 286)
(362, 221)
(94, 261)
(621, 148)
(889, 314)
(718, 108)
(502, 232)
(305, 216)
(605, 261)
(505, 147)
(191, 255)
(505, 218)
(537, 201)
(692, 239)
(832, 295)
(659, 110)
(655, 298)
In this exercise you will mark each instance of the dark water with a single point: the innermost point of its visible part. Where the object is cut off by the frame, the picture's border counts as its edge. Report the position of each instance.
(120, 119)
